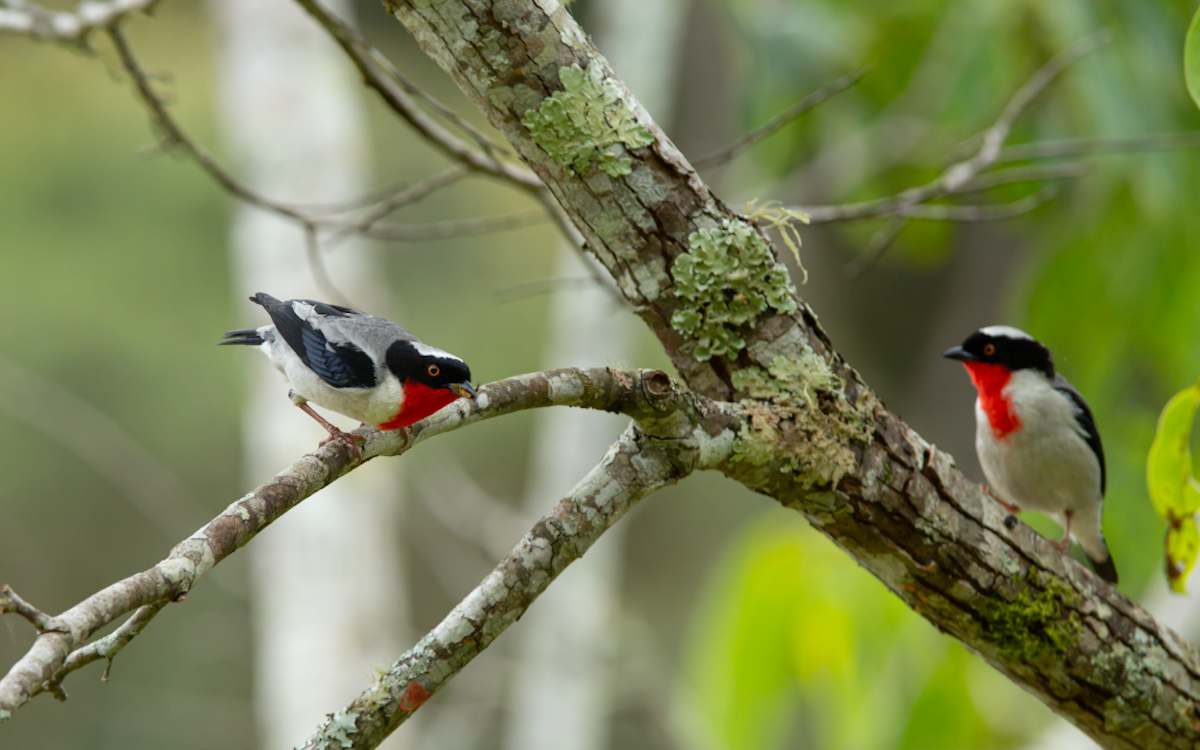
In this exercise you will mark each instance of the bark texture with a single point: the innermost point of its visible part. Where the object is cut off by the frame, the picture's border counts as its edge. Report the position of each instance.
(817, 439)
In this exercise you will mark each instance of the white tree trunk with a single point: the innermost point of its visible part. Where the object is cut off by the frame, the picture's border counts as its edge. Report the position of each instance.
(563, 691)
(329, 595)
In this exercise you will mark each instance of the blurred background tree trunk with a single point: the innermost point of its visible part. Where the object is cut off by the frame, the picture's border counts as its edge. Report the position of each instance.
(328, 595)
(566, 662)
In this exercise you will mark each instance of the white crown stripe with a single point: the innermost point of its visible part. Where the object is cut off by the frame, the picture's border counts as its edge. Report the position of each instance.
(432, 351)
(1007, 332)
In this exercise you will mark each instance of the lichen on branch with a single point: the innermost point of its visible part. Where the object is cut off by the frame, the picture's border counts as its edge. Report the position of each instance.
(800, 419)
(587, 123)
(728, 278)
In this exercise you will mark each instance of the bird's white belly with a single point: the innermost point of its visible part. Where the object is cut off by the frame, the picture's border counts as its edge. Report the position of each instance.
(373, 406)
(1043, 466)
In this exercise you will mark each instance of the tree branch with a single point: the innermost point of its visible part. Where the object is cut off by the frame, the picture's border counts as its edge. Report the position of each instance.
(61, 646)
(773, 125)
(30, 19)
(817, 439)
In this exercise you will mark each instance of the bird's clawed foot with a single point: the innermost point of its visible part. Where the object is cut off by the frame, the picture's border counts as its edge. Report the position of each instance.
(350, 441)
(1007, 505)
(1063, 544)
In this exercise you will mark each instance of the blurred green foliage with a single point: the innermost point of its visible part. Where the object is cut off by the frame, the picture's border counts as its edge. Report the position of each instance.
(1172, 486)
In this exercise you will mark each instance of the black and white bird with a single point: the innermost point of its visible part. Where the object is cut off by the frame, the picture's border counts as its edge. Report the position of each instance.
(1036, 437)
(353, 363)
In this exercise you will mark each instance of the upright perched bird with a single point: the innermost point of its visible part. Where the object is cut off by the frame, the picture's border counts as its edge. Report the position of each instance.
(356, 364)
(1036, 437)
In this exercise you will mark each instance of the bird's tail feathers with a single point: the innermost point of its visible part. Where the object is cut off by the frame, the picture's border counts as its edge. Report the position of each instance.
(245, 337)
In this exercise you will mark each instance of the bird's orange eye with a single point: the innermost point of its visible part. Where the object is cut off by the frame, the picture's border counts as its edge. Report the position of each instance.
(989, 350)
(433, 370)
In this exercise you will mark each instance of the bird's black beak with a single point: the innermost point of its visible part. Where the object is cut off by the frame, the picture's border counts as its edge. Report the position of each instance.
(962, 355)
(464, 390)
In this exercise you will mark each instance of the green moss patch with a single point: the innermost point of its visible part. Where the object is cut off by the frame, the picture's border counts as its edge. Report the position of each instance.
(1038, 624)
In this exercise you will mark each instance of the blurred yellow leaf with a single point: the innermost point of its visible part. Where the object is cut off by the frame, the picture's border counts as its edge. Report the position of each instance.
(1169, 465)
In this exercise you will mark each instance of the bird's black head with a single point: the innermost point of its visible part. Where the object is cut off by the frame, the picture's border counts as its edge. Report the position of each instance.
(1008, 347)
(430, 366)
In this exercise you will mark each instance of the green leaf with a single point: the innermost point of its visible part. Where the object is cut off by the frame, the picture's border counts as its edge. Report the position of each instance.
(1183, 542)
(1191, 58)
(1169, 465)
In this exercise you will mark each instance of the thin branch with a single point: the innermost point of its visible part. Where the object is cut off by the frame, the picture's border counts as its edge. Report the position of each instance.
(395, 95)
(441, 230)
(648, 396)
(879, 243)
(1031, 173)
(1093, 146)
(316, 263)
(773, 125)
(33, 20)
(175, 136)
(11, 603)
(107, 647)
(996, 212)
(542, 286)
(403, 198)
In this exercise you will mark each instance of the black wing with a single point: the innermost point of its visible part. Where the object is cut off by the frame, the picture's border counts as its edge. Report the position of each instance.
(1083, 416)
(340, 365)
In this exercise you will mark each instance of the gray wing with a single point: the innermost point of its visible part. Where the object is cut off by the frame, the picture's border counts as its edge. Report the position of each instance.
(340, 363)
(1086, 422)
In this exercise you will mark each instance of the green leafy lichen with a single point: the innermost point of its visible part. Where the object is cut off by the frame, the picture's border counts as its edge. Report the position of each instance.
(1035, 625)
(796, 430)
(727, 278)
(336, 731)
(586, 123)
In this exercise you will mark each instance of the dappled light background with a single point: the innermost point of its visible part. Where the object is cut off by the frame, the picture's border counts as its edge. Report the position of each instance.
(740, 627)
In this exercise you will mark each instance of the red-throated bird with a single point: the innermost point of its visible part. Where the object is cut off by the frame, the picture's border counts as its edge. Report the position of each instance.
(1036, 437)
(355, 364)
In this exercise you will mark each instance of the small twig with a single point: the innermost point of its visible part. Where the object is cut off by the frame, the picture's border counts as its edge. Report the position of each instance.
(107, 647)
(395, 96)
(405, 197)
(33, 20)
(441, 230)
(11, 603)
(1091, 146)
(1032, 173)
(995, 212)
(878, 245)
(175, 136)
(312, 250)
(773, 125)
(542, 286)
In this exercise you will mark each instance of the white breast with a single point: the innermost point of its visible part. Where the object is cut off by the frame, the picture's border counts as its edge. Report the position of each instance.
(1046, 465)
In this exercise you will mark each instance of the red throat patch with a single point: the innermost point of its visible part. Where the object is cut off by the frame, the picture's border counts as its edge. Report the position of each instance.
(419, 402)
(990, 381)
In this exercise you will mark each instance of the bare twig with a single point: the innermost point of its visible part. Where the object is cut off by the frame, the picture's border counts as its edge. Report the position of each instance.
(1031, 173)
(958, 177)
(441, 230)
(316, 262)
(11, 603)
(33, 20)
(395, 95)
(1092, 146)
(107, 647)
(996, 212)
(543, 286)
(772, 126)
(405, 197)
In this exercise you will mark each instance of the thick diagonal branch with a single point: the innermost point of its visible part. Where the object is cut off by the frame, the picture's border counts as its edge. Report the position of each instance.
(818, 440)
(61, 645)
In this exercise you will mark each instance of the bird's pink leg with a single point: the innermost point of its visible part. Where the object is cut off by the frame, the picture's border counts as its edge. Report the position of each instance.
(1064, 544)
(346, 439)
(1007, 505)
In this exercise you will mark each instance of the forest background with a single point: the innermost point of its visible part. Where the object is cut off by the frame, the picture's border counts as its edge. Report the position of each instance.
(115, 281)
